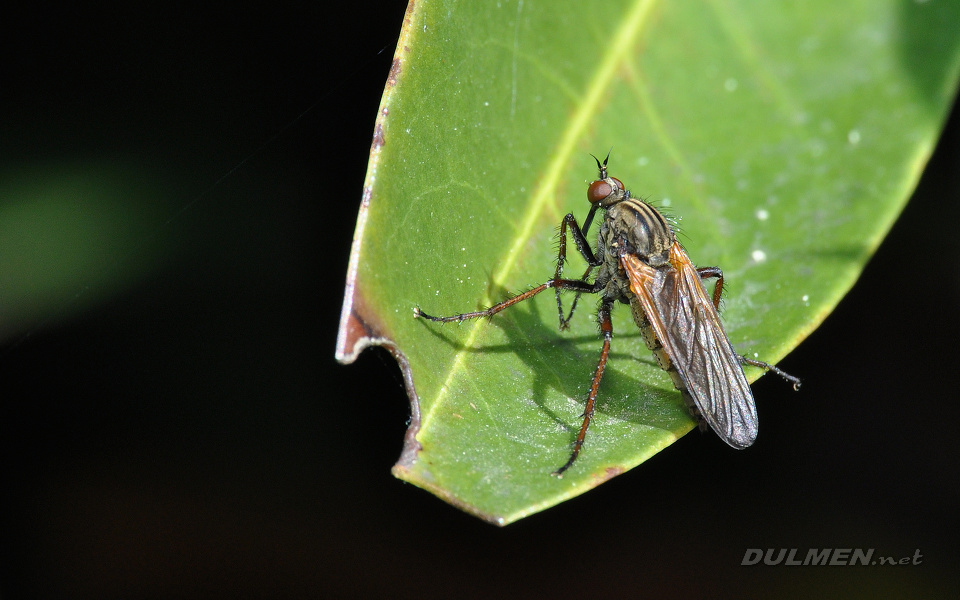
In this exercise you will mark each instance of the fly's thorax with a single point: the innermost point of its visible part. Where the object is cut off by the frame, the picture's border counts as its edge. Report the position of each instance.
(642, 228)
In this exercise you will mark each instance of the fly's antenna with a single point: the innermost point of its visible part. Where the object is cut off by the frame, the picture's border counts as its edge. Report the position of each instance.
(602, 167)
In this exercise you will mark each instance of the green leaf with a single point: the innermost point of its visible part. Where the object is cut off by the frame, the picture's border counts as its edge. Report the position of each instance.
(785, 136)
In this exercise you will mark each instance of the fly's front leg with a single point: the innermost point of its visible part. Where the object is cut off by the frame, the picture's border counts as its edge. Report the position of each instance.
(606, 329)
(565, 322)
(580, 239)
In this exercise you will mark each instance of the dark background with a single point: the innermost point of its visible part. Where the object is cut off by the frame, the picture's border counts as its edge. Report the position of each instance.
(195, 438)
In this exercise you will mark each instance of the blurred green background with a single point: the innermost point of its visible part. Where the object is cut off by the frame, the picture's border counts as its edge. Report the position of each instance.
(173, 421)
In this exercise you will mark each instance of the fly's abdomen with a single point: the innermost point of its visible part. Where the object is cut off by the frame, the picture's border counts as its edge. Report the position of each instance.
(650, 338)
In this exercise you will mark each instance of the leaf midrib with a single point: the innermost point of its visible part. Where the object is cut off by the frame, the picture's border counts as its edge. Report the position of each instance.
(618, 50)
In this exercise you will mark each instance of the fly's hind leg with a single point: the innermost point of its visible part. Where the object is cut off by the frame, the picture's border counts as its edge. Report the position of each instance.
(768, 367)
(716, 273)
(606, 329)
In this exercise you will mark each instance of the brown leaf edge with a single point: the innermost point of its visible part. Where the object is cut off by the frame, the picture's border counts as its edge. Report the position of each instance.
(360, 327)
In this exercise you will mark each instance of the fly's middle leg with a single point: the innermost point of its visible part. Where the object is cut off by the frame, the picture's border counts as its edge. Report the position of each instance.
(565, 284)
(713, 273)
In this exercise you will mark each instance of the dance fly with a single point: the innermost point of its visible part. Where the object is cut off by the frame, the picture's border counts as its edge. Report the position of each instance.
(639, 262)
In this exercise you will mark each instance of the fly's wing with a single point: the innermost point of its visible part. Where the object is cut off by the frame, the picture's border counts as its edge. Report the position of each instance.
(686, 322)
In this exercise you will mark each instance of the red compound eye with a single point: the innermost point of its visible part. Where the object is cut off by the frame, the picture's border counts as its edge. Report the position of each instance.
(598, 190)
(601, 189)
